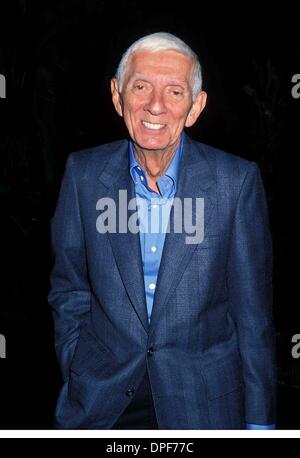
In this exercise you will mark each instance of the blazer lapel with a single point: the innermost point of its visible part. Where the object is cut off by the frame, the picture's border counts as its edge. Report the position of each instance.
(195, 180)
(126, 246)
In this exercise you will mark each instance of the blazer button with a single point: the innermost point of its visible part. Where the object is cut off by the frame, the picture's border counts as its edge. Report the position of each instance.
(130, 392)
(150, 351)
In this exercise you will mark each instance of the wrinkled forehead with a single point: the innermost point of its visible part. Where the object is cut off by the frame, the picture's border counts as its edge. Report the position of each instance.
(164, 64)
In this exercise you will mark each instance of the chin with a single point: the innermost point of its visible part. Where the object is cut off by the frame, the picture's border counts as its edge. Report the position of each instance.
(151, 144)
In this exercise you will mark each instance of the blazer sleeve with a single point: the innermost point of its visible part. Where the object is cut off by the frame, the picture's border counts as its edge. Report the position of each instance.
(250, 291)
(69, 296)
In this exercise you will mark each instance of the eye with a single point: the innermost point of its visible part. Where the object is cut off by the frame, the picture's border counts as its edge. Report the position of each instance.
(141, 87)
(177, 93)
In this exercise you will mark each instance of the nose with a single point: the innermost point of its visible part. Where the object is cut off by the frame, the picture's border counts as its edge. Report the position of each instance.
(155, 105)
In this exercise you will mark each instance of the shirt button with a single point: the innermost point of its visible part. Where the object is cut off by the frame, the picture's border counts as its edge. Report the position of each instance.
(152, 286)
(154, 206)
(153, 249)
(142, 178)
(130, 392)
(150, 351)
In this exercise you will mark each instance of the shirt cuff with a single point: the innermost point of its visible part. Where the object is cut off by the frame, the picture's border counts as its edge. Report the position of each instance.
(253, 426)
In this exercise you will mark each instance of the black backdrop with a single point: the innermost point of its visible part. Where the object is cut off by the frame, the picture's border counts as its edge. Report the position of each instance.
(58, 58)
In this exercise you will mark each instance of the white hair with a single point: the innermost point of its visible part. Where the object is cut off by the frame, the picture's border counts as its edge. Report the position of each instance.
(161, 41)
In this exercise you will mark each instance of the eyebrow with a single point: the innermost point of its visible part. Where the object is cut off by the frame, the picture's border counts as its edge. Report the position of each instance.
(138, 76)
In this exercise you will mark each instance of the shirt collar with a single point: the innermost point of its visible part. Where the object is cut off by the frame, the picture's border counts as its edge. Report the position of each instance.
(173, 169)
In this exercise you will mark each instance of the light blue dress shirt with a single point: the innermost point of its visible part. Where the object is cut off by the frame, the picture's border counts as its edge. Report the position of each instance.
(250, 426)
(153, 212)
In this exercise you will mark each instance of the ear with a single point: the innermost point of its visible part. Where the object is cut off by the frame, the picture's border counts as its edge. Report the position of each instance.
(197, 108)
(116, 97)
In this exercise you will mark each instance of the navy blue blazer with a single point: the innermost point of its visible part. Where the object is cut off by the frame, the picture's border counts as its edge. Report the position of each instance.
(213, 364)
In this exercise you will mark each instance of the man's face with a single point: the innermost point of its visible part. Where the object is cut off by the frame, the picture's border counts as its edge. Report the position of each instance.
(156, 100)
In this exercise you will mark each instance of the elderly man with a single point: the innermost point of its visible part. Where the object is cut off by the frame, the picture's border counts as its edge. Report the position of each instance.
(154, 330)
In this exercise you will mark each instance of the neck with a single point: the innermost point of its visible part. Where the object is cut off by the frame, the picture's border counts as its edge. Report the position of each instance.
(155, 162)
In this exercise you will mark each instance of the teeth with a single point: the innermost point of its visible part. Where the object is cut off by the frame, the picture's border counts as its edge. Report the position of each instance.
(153, 126)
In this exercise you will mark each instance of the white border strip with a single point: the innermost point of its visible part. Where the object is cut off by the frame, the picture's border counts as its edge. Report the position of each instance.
(140, 434)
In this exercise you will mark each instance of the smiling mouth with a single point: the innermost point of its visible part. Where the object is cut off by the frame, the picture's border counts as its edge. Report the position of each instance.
(151, 126)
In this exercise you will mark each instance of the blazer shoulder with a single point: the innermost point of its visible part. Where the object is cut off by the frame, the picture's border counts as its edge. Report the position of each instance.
(224, 158)
(94, 158)
(225, 165)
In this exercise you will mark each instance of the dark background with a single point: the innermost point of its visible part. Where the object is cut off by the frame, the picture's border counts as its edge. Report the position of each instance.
(58, 58)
